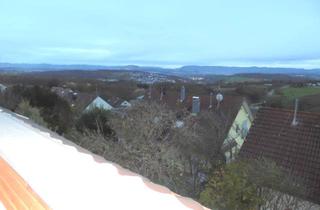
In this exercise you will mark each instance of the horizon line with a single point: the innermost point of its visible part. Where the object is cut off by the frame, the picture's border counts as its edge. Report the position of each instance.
(173, 66)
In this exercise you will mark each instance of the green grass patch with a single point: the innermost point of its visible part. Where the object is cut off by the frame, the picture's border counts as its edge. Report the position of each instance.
(293, 92)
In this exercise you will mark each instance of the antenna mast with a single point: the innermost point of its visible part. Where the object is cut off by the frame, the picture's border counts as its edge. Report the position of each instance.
(161, 94)
(294, 121)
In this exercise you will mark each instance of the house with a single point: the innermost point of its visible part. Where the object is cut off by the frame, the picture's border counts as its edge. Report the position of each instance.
(2, 88)
(41, 170)
(233, 109)
(86, 102)
(237, 117)
(119, 103)
(291, 141)
(140, 97)
(62, 92)
(65, 93)
(98, 102)
(136, 100)
(125, 104)
(237, 130)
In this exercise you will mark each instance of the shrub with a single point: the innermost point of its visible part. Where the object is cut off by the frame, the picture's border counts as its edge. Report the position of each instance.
(252, 184)
(95, 120)
(54, 110)
(24, 108)
(9, 99)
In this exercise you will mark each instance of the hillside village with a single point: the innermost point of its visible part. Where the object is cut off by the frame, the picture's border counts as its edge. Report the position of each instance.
(183, 135)
(159, 105)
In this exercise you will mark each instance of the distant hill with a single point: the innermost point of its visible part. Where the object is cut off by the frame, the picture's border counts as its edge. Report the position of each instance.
(223, 70)
(47, 67)
(182, 71)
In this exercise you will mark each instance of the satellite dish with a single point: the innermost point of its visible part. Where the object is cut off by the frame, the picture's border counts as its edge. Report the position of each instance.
(219, 97)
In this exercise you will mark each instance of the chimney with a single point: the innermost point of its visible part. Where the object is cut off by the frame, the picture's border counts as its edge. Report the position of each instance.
(161, 94)
(149, 93)
(211, 100)
(195, 104)
(182, 94)
(295, 121)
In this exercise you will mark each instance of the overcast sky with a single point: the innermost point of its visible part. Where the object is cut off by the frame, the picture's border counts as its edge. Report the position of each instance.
(161, 33)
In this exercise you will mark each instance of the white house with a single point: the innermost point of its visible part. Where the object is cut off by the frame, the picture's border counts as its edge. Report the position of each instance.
(98, 102)
(2, 88)
(125, 104)
(140, 97)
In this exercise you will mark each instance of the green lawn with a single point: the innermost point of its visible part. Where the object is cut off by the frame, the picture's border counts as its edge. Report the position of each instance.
(292, 92)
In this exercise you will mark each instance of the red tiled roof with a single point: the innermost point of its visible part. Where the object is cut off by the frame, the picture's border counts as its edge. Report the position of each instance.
(229, 106)
(294, 148)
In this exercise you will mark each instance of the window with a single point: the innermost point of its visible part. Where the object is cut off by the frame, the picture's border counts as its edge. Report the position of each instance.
(244, 128)
(237, 128)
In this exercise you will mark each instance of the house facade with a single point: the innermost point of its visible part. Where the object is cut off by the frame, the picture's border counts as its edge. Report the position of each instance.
(237, 132)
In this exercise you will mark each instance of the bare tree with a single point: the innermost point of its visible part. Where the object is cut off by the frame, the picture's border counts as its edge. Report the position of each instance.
(152, 141)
